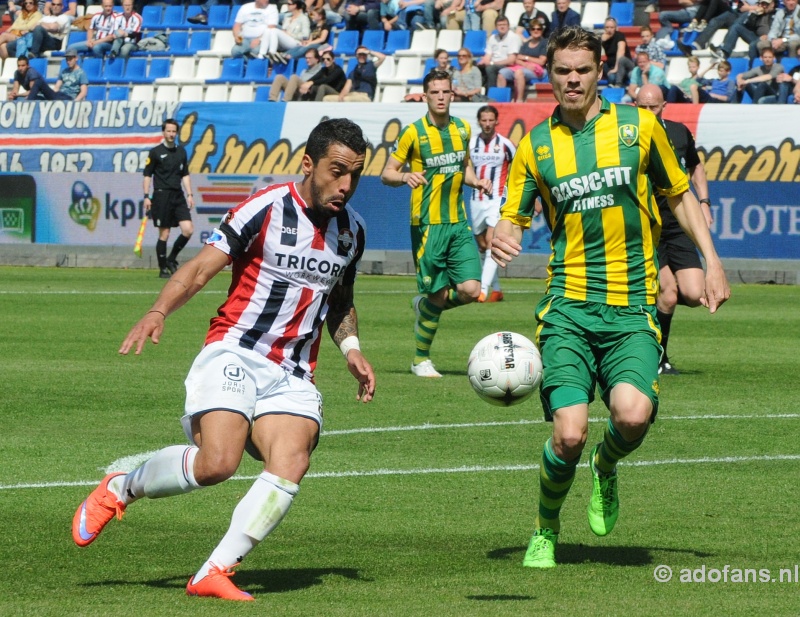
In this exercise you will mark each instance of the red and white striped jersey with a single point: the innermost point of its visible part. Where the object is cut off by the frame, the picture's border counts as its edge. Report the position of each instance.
(491, 160)
(131, 24)
(284, 268)
(102, 25)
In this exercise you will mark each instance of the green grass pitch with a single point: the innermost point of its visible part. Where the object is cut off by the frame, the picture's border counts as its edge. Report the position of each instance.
(418, 504)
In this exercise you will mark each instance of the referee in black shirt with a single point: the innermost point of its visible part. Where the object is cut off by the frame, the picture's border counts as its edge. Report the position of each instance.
(168, 166)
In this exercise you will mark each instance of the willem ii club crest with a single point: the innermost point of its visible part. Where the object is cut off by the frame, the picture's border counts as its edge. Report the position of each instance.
(629, 134)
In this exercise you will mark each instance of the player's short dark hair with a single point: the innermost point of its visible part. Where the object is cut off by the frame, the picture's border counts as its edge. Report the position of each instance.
(171, 121)
(489, 108)
(335, 131)
(436, 75)
(573, 37)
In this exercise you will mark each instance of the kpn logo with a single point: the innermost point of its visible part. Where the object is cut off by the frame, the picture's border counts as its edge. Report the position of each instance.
(84, 209)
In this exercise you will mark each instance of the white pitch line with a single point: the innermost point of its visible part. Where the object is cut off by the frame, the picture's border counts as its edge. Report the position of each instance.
(467, 469)
(428, 427)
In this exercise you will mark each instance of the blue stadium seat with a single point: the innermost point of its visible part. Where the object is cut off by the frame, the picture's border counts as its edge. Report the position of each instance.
(738, 65)
(232, 71)
(39, 65)
(397, 39)
(373, 39)
(76, 36)
(96, 93)
(177, 45)
(93, 67)
(173, 17)
(159, 67)
(256, 71)
(499, 95)
(300, 65)
(113, 70)
(262, 94)
(475, 41)
(117, 93)
(346, 43)
(151, 17)
(200, 41)
(622, 12)
(613, 95)
(218, 16)
(136, 71)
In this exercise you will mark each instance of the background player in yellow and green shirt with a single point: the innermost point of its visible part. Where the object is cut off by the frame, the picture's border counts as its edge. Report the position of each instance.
(594, 165)
(436, 149)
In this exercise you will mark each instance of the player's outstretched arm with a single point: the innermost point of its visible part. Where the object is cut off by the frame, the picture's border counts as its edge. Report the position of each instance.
(687, 210)
(184, 284)
(506, 242)
(343, 328)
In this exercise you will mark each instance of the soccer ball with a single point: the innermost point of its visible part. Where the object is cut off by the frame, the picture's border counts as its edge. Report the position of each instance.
(504, 368)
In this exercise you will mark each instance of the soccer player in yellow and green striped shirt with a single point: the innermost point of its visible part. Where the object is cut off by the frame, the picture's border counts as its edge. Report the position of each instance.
(594, 166)
(436, 149)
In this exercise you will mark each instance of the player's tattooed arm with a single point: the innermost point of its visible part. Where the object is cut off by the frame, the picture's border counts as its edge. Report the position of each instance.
(342, 317)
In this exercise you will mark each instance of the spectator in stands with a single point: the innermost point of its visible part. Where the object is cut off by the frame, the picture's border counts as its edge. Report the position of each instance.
(751, 28)
(447, 11)
(363, 80)
(48, 35)
(390, 15)
(72, 84)
(720, 90)
(27, 78)
(317, 38)
(529, 65)
(362, 15)
(530, 13)
(706, 10)
(295, 28)
(443, 63)
(330, 80)
(71, 8)
(722, 21)
(127, 31)
(334, 9)
(618, 64)
(250, 26)
(682, 92)
(411, 14)
(26, 20)
(100, 33)
(789, 84)
(760, 82)
(784, 34)
(646, 72)
(489, 11)
(679, 17)
(291, 86)
(564, 16)
(501, 50)
(653, 50)
(467, 80)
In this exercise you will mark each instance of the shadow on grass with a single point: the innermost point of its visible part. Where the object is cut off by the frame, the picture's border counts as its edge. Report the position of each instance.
(610, 555)
(254, 581)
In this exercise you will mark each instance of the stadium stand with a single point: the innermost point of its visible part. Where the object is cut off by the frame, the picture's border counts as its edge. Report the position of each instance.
(499, 95)
(622, 12)
(397, 39)
(475, 41)
(450, 41)
(167, 92)
(221, 46)
(142, 92)
(423, 44)
(593, 15)
(240, 93)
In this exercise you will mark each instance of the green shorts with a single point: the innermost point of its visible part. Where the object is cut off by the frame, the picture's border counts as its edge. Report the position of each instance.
(586, 345)
(444, 256)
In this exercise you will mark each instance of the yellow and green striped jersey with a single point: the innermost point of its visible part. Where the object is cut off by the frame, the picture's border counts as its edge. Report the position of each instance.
(442, 154)
(598, 201)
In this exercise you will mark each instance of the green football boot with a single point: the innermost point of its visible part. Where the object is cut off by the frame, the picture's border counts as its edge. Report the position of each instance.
(604, 505)
(541, 551)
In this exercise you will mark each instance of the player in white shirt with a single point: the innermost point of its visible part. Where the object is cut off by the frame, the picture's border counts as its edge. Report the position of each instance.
(491, 155)
(294, 249)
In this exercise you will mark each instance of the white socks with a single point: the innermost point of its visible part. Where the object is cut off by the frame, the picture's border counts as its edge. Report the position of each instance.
(256, 515)
(169, 472)
(489, 273)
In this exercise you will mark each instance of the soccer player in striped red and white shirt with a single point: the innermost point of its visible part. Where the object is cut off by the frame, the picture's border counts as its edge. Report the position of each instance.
(294, 249)
(491, 155)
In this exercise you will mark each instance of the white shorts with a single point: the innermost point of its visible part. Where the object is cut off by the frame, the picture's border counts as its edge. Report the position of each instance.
(227, 377)
(484, 214)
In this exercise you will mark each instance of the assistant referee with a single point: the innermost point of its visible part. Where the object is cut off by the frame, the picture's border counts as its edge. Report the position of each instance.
(167, 164)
